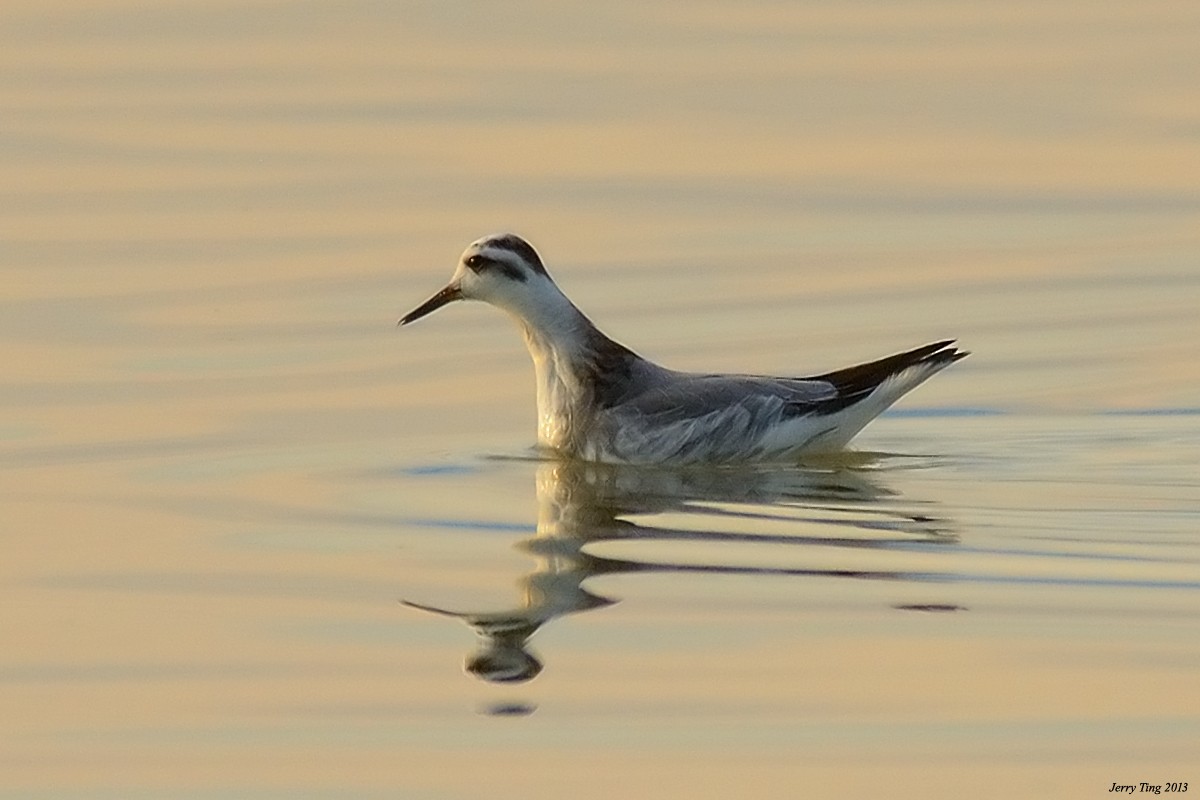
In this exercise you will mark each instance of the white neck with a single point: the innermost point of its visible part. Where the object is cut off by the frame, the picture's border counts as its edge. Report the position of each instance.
(556, 333)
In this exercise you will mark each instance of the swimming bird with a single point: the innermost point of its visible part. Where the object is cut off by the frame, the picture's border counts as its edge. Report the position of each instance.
(597, 400)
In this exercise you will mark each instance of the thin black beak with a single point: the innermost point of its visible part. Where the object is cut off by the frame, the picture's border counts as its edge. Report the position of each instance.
(447, 295)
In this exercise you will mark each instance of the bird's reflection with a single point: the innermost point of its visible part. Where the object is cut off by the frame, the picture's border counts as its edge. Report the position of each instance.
(581, 504)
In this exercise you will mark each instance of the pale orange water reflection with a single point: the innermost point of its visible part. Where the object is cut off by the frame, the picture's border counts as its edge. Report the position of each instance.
(222, 468)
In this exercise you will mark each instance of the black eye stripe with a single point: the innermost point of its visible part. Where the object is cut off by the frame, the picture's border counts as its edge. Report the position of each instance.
(480, 263)
(510, 271)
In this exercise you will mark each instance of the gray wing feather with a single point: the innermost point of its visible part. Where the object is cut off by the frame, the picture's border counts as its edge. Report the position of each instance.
(688, 396)
(661, 415)
(718, 414)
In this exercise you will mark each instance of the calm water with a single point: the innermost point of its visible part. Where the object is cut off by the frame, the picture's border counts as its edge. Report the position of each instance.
(261, 543)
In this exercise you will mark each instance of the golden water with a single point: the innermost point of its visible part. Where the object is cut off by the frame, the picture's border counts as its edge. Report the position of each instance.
(250, 526)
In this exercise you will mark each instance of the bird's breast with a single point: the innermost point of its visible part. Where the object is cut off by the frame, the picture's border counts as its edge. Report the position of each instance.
(560, 404)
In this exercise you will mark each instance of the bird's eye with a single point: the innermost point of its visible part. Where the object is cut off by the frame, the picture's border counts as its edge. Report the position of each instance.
(497, 267)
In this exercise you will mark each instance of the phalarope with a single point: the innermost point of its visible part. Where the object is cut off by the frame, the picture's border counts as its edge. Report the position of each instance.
(599, 401)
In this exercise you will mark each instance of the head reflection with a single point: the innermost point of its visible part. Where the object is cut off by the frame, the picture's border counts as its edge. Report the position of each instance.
(582, 504)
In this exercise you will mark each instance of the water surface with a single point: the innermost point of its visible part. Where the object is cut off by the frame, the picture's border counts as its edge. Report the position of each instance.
(261, 543)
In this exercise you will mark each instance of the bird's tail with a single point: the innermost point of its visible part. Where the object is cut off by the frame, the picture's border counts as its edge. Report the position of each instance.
(864, 391)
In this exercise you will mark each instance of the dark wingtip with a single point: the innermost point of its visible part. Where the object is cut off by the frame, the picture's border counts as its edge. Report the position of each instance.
(853, 383)
(949, 352)
(938, 351)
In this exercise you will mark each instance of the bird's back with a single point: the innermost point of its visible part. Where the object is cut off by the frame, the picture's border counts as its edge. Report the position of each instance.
(660, 415)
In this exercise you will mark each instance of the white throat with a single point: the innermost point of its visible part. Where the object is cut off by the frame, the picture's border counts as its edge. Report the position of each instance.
(557, 334)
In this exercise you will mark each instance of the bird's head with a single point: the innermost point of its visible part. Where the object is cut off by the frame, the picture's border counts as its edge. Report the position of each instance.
(502, 269)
